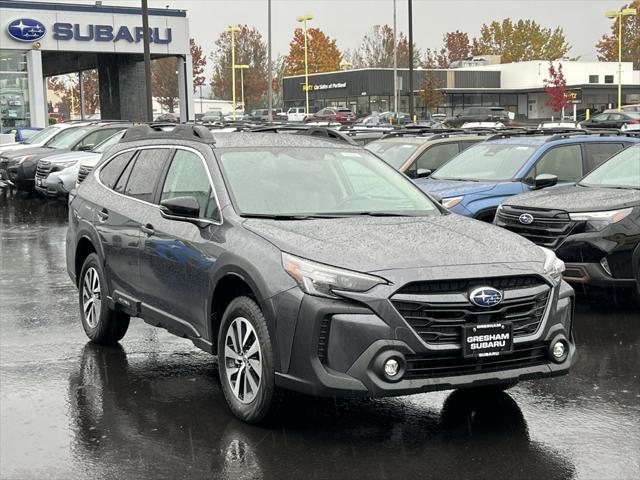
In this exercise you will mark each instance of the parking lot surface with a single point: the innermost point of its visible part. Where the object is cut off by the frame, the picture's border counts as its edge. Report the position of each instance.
(153, 408)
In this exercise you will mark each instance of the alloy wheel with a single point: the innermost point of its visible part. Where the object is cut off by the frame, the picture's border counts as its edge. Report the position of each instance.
(243, 360)
(91, 298)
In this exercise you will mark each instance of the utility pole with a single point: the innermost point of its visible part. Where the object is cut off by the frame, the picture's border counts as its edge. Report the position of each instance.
(395, 62)
(411, 111)
(147, 60)
(270, 67)
(304, 19)
(232, 29)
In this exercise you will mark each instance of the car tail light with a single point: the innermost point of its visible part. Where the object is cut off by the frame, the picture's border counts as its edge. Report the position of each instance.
(635, 122)
(339, 117)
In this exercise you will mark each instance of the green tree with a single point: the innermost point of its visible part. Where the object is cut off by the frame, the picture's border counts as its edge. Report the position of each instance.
(323, 53)
(607, 47)
(520, 41)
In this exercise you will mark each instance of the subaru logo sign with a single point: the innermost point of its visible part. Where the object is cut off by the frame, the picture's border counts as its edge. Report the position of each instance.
(526, 218)
(485, 297)
(26, 30)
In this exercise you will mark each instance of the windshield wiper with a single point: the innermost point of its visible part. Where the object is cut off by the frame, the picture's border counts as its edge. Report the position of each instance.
(270, 216)
(374, 214)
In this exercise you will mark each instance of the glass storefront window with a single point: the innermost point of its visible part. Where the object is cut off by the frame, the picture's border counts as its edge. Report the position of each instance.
(14, 89)
(472, 100)
(490, 99)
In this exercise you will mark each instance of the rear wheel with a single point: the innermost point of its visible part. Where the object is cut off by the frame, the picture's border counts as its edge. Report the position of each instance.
(100, 323)
(245, 360)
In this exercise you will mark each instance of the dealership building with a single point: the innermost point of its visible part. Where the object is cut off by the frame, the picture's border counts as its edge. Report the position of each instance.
(519, 87)
(40, 39)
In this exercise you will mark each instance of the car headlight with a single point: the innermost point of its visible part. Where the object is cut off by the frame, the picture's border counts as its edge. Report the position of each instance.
(598, 220)
(452, 201)
(553, 266)
(24, 158)
(321, 280)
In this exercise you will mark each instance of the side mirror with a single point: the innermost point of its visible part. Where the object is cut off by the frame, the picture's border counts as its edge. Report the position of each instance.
(85, 148)
(545, 180)
(180, 208)
(423, 173)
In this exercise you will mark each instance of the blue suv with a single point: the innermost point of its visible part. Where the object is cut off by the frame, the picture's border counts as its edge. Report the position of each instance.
(477, 180)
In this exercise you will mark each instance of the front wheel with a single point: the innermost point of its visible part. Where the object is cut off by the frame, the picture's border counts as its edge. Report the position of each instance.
(101, 324)
(245, 360)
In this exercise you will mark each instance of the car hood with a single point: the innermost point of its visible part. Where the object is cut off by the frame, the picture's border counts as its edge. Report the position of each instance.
(369, 244)
(68, 156)
(30, 151)
(578, 199)
(452, 188)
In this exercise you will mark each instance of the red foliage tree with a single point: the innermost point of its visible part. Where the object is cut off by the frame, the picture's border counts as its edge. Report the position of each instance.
(556, 87)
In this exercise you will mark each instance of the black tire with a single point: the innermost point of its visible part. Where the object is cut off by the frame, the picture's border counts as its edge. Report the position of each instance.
(101, 324)
(261, 405)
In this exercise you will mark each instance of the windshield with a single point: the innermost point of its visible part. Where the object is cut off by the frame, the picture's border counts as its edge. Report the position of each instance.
(69, 138)
(43, 135)
(621, 170)
(319, 181)
(394, 153)
(486, 161)
(109, 142)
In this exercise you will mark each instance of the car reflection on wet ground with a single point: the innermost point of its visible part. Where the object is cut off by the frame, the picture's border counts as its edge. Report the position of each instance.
(152, 408)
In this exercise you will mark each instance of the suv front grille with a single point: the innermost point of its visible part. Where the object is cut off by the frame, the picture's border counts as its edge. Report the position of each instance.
(82, 173)
(447, 364)
(548, 229)
(44, 169)
(438, 311)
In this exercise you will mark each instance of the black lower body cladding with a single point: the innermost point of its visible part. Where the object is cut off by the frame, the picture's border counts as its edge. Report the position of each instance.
(343, 348)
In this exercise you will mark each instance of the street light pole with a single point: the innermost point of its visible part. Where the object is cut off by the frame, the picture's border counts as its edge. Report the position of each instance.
(233, 29)
(304, 18)
(242, 69)
(270, 67)
(147, 60)
(395, 62)
(619, 15)
(411, 111)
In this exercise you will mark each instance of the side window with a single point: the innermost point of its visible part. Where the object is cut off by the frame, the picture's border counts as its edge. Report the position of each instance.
(565, 162)
(110, 173)
(601, 117)
(96, 137)
(597, 153)
(616, 117)
(145, 173)
(187, 177)
(435, 156)
(465, 145)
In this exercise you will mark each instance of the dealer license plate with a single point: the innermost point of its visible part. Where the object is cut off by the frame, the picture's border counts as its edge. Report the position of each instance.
(487, 340)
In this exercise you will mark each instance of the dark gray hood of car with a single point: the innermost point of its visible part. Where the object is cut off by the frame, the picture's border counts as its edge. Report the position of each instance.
(578, 199)
(29, 151)
(369, 244)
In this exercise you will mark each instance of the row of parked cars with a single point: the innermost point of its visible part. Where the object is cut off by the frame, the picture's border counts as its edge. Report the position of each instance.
(308, 262)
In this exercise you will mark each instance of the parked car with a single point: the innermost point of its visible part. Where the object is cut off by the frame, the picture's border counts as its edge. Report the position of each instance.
(385, 118)
(212, 116)
(631, 108)
(260, 115)
(57, 175)
(594, 226)
(479, 114)
(612, 119)
(21, 166)
(296, 114)
(420, 155)
(216, 238)
(38, 140)
(476, 181)
(22, 134)
(168, 117)
(59, 118)
(331, 114)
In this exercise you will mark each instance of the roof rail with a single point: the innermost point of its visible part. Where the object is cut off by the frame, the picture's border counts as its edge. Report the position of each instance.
(310, 130)
(196, 133)
(518, 132)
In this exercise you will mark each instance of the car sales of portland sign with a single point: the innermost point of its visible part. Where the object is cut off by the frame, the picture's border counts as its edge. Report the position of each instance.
(30, 30)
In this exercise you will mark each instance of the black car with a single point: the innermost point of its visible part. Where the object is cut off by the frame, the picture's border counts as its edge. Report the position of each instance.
(21, 165)
(612, 119)
(478, 114)
(594, 226)
(311, 265)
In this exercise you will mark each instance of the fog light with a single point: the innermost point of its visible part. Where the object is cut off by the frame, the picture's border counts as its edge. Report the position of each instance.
(558, 350)
(391, 367)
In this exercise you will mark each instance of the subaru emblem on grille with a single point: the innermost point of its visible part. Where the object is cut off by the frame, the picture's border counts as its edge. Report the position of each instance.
(526, 218)
(485, 297)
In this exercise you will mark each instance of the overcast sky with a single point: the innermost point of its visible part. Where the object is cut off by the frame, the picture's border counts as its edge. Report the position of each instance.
(347, 21)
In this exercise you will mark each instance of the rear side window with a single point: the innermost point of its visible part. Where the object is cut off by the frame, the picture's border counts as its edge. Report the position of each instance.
(96, 137)
(565, 162)
(597, 153)
(110, 173)
(434, 157)
(145, 173)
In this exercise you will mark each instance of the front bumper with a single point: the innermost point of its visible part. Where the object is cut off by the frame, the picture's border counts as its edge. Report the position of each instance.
(52, 186)
(339, 349)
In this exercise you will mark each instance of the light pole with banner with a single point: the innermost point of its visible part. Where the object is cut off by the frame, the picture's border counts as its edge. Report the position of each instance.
(232, 29)
(304, 19)
(620, 14)
(242, 68)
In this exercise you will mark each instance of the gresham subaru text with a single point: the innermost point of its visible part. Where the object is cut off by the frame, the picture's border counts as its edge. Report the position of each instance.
(332, 275)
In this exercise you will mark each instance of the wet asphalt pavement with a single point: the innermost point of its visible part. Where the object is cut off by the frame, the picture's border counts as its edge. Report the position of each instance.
(152, 408)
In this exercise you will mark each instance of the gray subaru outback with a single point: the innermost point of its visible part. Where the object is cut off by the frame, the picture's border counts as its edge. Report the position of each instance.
(309, 265)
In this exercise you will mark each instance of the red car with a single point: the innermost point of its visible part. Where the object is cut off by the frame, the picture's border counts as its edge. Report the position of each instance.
(333, 114)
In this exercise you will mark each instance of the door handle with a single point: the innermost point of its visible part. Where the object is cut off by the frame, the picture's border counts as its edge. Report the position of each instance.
(103, 215)
(148, 229)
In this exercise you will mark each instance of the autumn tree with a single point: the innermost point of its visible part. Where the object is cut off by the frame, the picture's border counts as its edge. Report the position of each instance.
(456, 47)
(164, 82)
(198, 62)
(250, 50)
(607, 47)
(556, 88)
(521, 41)
(69, 92)
(431, 92)
(376, 49)
(323, 53)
